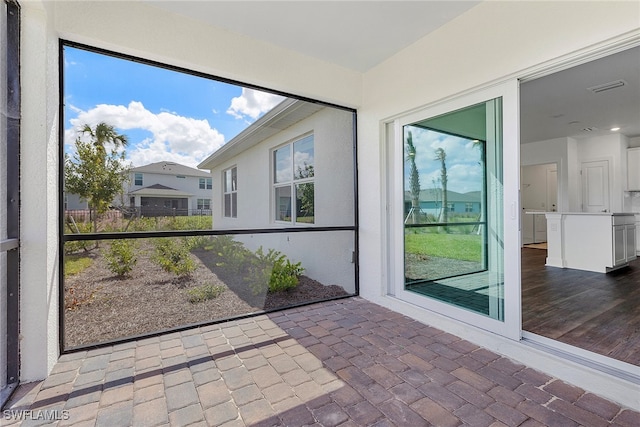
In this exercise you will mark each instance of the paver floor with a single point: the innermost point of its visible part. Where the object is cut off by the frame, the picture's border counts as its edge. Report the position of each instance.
(340, 363)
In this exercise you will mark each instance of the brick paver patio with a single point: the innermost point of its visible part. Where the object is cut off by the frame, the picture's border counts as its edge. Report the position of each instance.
(346, 362)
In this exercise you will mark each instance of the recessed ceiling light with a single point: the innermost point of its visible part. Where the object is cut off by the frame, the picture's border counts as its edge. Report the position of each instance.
(615, 129)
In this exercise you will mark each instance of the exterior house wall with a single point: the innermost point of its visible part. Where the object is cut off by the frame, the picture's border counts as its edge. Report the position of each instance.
(490, 42)
(334, 197)
(333, 167)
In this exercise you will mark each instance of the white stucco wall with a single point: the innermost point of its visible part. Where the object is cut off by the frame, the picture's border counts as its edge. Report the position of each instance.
(39, 192)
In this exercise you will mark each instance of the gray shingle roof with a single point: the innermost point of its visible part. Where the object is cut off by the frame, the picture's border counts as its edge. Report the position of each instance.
(170, 168)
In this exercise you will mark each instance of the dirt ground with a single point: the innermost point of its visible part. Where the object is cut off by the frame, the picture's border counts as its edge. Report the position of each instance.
(100, 306)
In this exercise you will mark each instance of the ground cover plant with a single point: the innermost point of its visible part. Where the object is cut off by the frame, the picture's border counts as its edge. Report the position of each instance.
(174, 282)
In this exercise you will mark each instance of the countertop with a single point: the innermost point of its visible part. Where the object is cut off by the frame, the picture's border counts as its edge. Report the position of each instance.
(591, 213)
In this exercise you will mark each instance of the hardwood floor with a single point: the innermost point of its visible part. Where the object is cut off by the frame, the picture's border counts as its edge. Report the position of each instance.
(594, 311)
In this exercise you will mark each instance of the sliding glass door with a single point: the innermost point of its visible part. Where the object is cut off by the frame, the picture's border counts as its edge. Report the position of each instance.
(452, 227)
(450, 223)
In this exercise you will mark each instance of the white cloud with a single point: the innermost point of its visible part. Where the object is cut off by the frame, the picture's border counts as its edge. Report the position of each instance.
(252, 103)
(173, 138)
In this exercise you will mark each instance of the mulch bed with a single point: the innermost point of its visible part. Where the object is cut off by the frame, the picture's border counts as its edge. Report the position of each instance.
(101, 307)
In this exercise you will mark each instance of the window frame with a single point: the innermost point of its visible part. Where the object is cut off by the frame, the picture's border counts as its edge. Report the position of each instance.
(292, 183)
(205, 183)
(137, 175)
(233, 208)
(507, 90)
(205, 205)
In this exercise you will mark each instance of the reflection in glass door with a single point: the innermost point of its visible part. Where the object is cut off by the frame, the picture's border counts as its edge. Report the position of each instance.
(453, 208)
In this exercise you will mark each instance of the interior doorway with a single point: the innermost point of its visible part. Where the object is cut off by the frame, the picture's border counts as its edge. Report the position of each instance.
(567, 136)
(539, 194)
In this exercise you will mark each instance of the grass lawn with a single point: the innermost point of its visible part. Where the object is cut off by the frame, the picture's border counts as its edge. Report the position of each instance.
(74, 264)
(467, 247)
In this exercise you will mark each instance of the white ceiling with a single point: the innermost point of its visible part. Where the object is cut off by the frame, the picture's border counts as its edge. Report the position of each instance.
(560, 105)
(354, 34)
(361, 34)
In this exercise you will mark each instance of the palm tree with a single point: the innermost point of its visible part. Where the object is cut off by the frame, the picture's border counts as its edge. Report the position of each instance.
(442, 156)
(414, 179)
(104, 134)
(95, 173)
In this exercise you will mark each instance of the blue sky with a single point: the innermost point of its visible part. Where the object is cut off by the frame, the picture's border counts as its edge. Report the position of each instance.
(166, 115)
(464, 172)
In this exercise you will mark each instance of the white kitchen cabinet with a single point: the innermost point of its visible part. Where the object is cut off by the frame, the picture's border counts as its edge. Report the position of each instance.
(624, 243)
(631, 242)
(637, 234)
(600, 242)
(633, 169)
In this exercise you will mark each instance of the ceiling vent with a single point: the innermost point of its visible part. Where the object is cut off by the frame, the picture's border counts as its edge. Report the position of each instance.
(607, 86)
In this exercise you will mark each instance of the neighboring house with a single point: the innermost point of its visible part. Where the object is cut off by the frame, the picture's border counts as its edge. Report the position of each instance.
(458, 203)
(168, 188)
(73, 202)
(293, 167)
(159, 189)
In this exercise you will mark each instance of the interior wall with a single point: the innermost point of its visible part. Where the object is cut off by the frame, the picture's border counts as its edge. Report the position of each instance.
(612, 148)
(552, 151)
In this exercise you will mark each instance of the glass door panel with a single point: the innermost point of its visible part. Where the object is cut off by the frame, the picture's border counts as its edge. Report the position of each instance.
(453, 208)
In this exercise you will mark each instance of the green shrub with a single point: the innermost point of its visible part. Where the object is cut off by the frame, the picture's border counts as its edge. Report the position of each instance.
(204, 292)
(197, 242)
(174, 257)
(121, 256)
(273, 272)
(233, 254)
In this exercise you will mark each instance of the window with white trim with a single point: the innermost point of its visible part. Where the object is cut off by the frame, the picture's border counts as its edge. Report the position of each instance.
(230, 192)
(204, 204)
(205, 183)
(137, 178)
(293, 181)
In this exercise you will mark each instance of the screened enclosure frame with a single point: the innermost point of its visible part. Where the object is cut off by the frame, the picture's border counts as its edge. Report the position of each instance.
(64, 238)
(11, 245)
